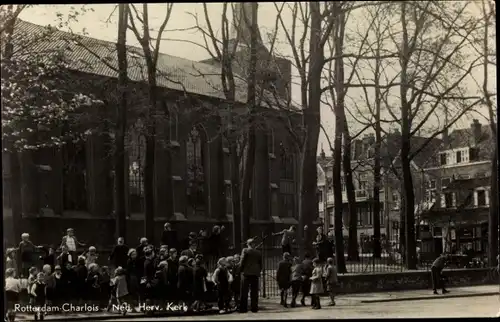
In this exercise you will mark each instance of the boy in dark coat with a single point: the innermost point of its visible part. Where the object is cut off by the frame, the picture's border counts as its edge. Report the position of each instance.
(236, 284)
(185, 281)
(81, 274)
(172, 270)
(93, 284)
(306, 270)
(283, 275)
(200, 277)
(148, 275)
(119, 255)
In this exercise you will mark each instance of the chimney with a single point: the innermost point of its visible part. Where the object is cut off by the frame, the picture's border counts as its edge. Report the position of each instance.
(322, 155)
(242, 24)
(476, 130)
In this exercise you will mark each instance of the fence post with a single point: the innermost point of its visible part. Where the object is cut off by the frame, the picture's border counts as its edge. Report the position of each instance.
(263, 266)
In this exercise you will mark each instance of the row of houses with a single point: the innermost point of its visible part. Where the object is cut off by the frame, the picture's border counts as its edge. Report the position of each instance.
(451, 182)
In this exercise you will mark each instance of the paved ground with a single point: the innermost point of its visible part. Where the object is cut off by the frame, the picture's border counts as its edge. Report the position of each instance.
(439, 308)
(476, 301)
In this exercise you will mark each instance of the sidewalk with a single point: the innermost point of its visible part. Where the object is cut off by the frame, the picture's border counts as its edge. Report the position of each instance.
(455, 292)
(272, 304)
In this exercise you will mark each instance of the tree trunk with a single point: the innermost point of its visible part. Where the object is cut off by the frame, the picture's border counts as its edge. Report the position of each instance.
(235, 193)
(121, 126)
(409, 205)
(248, 176)
(149, 162)
(337, 196)
(308, 205)
(377, 251)
(493, 214)
(246, 191)
(352, 244)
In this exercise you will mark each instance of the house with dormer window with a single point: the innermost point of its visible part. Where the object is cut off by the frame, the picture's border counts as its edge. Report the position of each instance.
(458, 189)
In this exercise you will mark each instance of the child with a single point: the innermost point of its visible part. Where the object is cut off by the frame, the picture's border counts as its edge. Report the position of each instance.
(32, 278)
(120, 289)
(57, 283)
(12, 288)
(93, 286)
(331, 279)
(161, 288)
(236, 284)
(49, 282)
(65, 257)
(81, 274)
(91, 256)
(27, 251)
(316, 284)
(296, 280)
(105, 284)
(223, 279)
(10, 260)
(185, 279)
(283, 275)
(49, 258)
(38, 292)
(200, 287)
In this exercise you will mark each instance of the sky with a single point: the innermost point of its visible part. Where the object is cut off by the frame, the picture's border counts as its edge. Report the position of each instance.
(101, 23)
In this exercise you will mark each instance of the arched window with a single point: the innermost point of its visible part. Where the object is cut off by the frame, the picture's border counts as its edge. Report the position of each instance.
(195, 169)
(136, 156)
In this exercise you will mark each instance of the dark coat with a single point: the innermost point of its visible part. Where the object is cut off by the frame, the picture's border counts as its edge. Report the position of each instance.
(81, 274)
(200, 275)
(172, 271)
(251, 262)
(149, 269)
(169, 238)
(134, 273)
(185, 279)
(307, 268)
(119, 255)
(283, 274)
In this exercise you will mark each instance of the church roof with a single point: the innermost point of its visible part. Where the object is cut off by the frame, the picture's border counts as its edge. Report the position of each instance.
(98, 57)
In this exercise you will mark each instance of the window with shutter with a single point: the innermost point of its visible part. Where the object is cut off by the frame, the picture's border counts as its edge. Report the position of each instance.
(442, 158)
(459, 156)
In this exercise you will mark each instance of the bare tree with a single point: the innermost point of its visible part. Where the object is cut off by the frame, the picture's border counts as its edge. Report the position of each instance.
(426, 66)
(121, 124)
(151, 48)
(38, 97)
(488, 20)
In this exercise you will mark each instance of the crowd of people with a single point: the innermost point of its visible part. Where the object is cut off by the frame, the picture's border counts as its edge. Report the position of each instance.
(174, 272)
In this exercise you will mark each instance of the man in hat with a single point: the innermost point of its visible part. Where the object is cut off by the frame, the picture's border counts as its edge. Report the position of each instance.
(71, 242)
(251, 266)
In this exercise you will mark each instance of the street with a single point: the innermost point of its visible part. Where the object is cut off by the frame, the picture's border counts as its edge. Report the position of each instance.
(486, 306)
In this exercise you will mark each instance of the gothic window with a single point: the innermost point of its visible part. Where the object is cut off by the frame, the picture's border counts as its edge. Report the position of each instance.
(286, 164)
(75, 175)
(173, 122)
(136, 157)
(195, 169)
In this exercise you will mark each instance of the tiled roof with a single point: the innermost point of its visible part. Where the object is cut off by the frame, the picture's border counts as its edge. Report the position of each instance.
(93, 56)
(392, 146)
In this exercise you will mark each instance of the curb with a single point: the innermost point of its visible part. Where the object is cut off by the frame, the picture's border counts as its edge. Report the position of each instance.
(422, 298)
